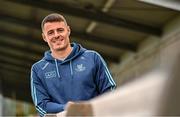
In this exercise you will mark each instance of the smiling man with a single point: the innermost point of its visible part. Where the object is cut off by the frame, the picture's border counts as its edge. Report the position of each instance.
(68, 72)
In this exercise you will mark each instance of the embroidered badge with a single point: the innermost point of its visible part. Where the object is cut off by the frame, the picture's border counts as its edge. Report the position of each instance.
(80, 68)
(50, 74)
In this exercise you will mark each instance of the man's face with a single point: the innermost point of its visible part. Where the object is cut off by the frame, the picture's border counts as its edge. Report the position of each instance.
(56, 34)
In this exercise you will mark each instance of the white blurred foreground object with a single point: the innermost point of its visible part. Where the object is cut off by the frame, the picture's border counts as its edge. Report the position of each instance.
(140, 97)
(154, 94)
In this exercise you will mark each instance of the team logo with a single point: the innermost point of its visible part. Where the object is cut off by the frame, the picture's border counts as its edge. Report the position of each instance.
(80, 68)
(50, 74)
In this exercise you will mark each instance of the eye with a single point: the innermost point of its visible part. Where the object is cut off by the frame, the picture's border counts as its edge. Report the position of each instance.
(50, 32)
(60, 29)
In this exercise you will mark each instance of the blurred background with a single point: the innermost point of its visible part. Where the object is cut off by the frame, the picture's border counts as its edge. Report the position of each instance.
(133, 36)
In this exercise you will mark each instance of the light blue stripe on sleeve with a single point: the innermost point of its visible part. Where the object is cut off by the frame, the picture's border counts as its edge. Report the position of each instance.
(34, 97)
(106, 69)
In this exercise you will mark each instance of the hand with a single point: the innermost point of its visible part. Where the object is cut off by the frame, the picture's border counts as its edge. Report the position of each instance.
(79, 109)
(70, 103)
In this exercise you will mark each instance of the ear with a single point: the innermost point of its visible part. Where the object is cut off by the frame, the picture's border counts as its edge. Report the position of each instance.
(44, 38)
(69, 30)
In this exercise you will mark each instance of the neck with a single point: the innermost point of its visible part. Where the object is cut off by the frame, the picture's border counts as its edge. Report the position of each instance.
(62, 54)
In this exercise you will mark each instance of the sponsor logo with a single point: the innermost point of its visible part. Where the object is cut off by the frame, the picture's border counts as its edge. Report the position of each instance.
(50, 74)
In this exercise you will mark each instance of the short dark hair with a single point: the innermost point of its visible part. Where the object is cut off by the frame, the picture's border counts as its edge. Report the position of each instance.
(54, 17)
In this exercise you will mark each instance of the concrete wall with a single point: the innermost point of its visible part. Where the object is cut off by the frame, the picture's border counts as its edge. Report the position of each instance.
(153, 53)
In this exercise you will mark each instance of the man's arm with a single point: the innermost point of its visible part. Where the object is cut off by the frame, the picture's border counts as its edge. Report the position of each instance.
(103, 79)
(41, 98)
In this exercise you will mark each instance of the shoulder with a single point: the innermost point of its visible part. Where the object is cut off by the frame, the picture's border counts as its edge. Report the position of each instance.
(39, 64)
(92, 52)
(97, 58)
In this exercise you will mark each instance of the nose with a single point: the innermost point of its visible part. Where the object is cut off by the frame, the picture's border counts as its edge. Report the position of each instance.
(56, 34)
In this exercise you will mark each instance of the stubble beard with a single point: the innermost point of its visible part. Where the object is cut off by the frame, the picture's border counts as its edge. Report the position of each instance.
(63, 48)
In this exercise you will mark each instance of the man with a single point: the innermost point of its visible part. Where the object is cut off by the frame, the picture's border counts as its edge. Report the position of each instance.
(67, 72)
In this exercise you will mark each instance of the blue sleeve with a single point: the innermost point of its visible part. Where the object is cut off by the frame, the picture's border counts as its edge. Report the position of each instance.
(41, 98)
(104, 80)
